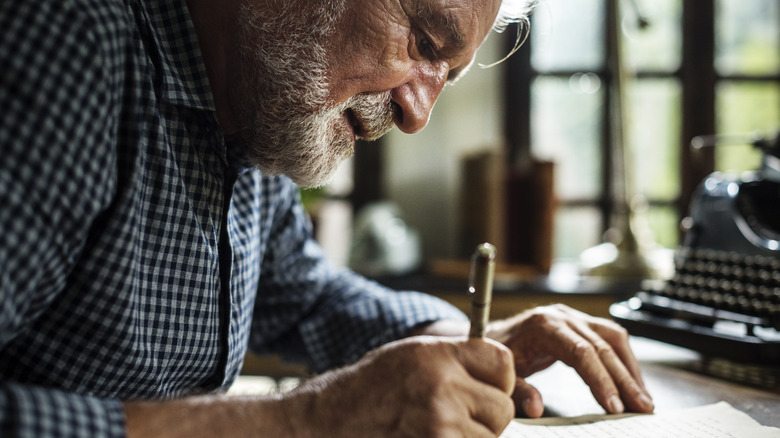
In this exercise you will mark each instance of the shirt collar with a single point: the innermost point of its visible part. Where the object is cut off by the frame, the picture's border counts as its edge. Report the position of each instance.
(182, 77)
(182, 74)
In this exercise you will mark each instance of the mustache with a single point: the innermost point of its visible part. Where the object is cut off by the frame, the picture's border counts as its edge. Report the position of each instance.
(371, 114)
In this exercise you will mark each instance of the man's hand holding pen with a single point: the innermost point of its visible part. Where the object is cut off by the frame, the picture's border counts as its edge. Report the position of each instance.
(421, 386)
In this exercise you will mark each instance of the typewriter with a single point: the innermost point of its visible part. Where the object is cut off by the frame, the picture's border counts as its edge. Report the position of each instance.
(724, 297)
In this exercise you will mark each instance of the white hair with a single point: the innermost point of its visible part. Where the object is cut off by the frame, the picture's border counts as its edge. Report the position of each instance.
(513, 11)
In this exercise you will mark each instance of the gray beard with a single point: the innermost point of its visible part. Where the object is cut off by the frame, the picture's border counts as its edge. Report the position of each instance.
(288, 127)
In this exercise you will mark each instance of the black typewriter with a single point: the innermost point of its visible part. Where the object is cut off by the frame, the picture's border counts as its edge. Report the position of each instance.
(724, 297)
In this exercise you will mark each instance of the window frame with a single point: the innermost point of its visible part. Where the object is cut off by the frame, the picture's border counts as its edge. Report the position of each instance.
(698, 79)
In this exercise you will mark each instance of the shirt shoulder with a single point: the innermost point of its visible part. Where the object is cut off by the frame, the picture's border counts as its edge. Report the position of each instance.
(62, 63)
(38, 26)
(59, 57)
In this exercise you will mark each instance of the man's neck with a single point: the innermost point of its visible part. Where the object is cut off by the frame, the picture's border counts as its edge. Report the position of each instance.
(214, 22)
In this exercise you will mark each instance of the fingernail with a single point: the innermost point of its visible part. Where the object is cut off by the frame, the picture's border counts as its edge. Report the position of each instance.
(615, 405)
(647, 404)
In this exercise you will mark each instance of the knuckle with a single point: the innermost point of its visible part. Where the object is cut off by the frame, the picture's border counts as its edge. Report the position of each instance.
(614, 331)
(442, 417)
(429, 387)
(621, 331)
(508, 411)
(602, 348)
(583, 351)
(541, 318)
(625, 381)
(504, 358)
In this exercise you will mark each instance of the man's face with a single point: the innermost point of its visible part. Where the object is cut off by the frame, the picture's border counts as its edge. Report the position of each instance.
(323, 73)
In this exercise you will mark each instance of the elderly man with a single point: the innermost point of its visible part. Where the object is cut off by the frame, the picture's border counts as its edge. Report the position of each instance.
(151, 231)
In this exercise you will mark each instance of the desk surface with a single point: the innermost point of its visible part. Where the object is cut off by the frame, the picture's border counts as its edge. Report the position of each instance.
(669, 374)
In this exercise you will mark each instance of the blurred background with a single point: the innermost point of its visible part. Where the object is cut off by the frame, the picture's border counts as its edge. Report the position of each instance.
(695, 67)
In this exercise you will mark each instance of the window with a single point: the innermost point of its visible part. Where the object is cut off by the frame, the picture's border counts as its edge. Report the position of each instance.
(700, 67)
(747, 62)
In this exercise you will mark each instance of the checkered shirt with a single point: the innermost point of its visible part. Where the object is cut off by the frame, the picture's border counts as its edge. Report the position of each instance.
(139, 256)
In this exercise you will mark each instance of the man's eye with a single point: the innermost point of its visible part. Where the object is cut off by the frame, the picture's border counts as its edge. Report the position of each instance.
(425, 45)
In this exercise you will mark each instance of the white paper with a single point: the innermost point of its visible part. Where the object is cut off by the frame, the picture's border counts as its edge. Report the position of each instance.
(719, 420)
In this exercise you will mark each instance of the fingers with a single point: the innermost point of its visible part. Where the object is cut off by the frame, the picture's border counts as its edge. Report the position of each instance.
(629, 389)
(581, 355)
(421, 386)
(473, 429)
(528, 400)
(601, 355)
(492, 409)
(490, 362)
(617, 337)
(596, 348)
(486, 390)
(491, 366)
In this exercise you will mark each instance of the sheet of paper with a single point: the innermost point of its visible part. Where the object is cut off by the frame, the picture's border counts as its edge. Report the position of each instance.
(719, 420)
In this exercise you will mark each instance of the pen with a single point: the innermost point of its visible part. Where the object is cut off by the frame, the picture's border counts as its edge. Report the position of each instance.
(481, 287)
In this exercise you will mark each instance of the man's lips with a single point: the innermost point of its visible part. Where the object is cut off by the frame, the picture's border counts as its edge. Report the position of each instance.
(354, 122)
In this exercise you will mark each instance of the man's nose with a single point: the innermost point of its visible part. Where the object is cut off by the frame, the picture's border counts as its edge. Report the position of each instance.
(416, 96)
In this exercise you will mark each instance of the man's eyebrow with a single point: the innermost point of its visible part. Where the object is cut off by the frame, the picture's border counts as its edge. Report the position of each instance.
(443, 23)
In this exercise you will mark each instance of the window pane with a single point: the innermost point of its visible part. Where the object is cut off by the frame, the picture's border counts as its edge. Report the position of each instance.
(747, 36)
(664, 225)
(565, 117)
(568, 35)
(654, 137)
(657, 46)
(576, 229)
(745, 107)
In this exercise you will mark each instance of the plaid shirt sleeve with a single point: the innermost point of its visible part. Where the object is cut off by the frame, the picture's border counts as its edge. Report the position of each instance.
(43, 412)
(44, 65)
(309, 311)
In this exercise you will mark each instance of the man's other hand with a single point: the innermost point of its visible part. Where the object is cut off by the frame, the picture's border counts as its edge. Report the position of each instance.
(596, 348)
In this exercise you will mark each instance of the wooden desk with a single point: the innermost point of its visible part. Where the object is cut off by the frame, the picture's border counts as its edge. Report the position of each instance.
(671, 377)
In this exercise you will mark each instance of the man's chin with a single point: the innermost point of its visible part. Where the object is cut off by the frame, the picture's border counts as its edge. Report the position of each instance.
(308, 182)
(309, 161)
(320, 176)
